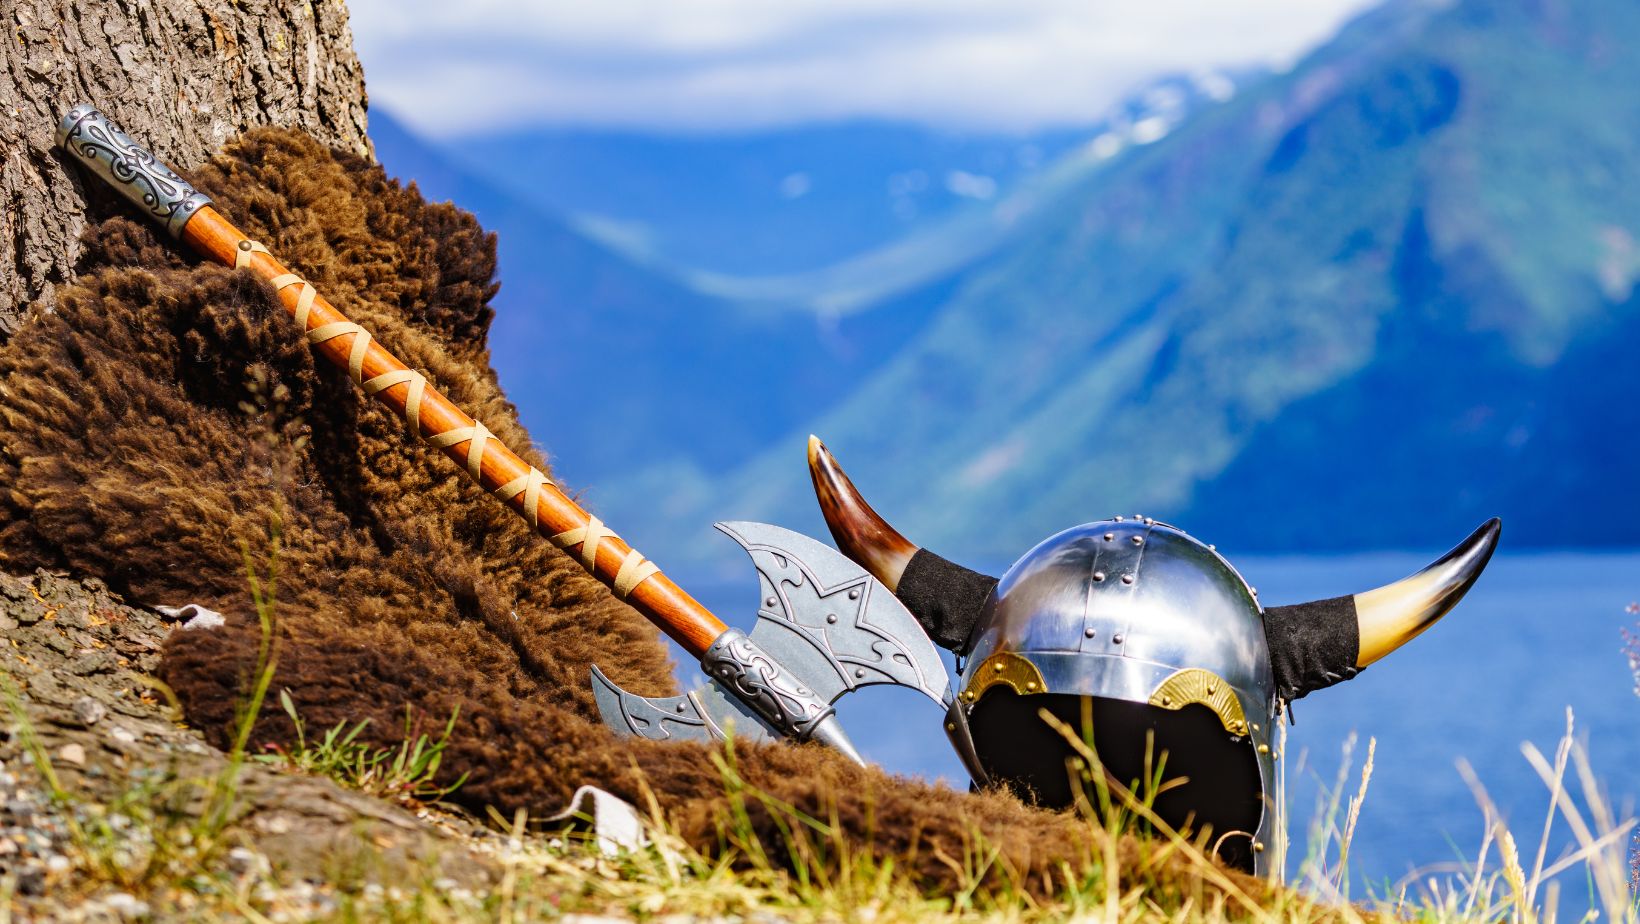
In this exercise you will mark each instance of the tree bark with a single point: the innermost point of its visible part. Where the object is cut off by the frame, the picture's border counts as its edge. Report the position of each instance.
(179, 76)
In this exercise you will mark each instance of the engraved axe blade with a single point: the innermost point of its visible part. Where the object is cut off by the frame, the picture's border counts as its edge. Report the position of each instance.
(825, 628)
(706, 714)
(830, 622)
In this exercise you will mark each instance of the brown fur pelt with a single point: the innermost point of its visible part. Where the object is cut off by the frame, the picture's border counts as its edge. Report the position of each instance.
(132, 451)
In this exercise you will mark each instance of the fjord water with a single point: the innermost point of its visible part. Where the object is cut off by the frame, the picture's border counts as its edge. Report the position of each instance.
(1538, 633)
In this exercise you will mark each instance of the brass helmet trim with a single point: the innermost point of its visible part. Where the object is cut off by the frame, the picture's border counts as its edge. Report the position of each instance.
(1194, 685)
(1006, 668)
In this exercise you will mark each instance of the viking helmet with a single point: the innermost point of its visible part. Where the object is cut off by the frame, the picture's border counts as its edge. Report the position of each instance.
(1149, 640)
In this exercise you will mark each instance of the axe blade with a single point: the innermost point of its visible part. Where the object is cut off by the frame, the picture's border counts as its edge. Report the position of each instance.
(707, 714)
(829, 622)
(825, 622)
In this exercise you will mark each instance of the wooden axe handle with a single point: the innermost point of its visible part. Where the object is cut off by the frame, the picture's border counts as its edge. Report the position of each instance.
(656, 597)
(133, 171)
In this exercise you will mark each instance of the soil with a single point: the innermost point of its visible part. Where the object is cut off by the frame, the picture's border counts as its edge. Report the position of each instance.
(83, 662)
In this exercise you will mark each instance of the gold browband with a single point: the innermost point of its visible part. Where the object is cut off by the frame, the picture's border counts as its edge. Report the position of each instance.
(1194, 685)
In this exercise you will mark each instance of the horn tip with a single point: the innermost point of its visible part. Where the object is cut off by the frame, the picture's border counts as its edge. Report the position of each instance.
(1392, 615)
(859, 532)
(1483, 540)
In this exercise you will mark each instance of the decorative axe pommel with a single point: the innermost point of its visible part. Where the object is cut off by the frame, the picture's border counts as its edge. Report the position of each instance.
(138, 175)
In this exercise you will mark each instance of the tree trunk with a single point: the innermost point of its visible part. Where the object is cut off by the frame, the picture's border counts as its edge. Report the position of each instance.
(180, 76)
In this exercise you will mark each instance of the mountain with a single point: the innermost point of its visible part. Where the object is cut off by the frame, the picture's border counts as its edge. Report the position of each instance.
(700, 369)
(615, 366)
(771, 202)
(829, 220)
(1367, 303)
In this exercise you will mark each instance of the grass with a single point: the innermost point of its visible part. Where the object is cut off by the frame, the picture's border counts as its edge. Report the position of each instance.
(264, 594)
(404, 774)
(833, 879)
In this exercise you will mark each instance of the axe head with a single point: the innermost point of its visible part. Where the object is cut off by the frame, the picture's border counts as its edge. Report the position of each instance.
(822, 620)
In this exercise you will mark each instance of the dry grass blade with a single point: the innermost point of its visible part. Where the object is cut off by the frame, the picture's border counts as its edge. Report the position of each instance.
(1562, 752)
(1593, 848)
(1494, 828)
(1354, 816)
(1606, 866)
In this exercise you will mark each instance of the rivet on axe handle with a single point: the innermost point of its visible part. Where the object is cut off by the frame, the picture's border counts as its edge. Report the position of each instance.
(777, 695)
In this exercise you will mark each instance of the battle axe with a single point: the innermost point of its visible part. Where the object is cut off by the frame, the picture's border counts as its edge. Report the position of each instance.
(825, 626)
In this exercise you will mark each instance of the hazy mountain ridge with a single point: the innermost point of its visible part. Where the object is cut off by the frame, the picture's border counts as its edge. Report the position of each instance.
(688, 386)
(1458, 172)
(795, 199)
(1368, 303)
(614, 366)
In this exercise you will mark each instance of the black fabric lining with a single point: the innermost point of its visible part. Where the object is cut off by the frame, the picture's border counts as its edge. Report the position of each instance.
(945, 598)
(1312, 645)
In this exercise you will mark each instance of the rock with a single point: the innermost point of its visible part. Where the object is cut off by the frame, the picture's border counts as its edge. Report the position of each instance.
(95, 661)
(72, 754)
(127, 906)
(75, 614)
(89, 711)
(27, 610)
(55, 640)
(135, 640)
(49, 688)
(243, 860)
(31, 880)
(274, 823)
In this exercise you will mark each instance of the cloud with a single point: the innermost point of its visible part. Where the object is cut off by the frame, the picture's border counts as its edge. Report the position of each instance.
(459, 66)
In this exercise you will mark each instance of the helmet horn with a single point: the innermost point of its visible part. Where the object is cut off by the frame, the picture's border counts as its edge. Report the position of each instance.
(860, 533)
(945, 598)
(1315, 645)
(1395, 614)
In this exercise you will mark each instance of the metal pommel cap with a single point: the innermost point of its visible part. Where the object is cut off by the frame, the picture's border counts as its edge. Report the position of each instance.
(91, 139)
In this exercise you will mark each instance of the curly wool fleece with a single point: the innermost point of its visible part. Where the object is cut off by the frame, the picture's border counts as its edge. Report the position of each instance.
(131, 453)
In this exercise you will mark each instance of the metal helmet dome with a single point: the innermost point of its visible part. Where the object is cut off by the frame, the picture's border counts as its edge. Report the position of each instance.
(1168, 640)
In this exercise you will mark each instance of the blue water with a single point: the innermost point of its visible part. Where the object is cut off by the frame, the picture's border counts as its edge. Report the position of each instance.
(1538, 633)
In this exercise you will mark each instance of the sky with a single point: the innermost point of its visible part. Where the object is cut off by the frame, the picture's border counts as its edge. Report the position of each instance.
(453, 67)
